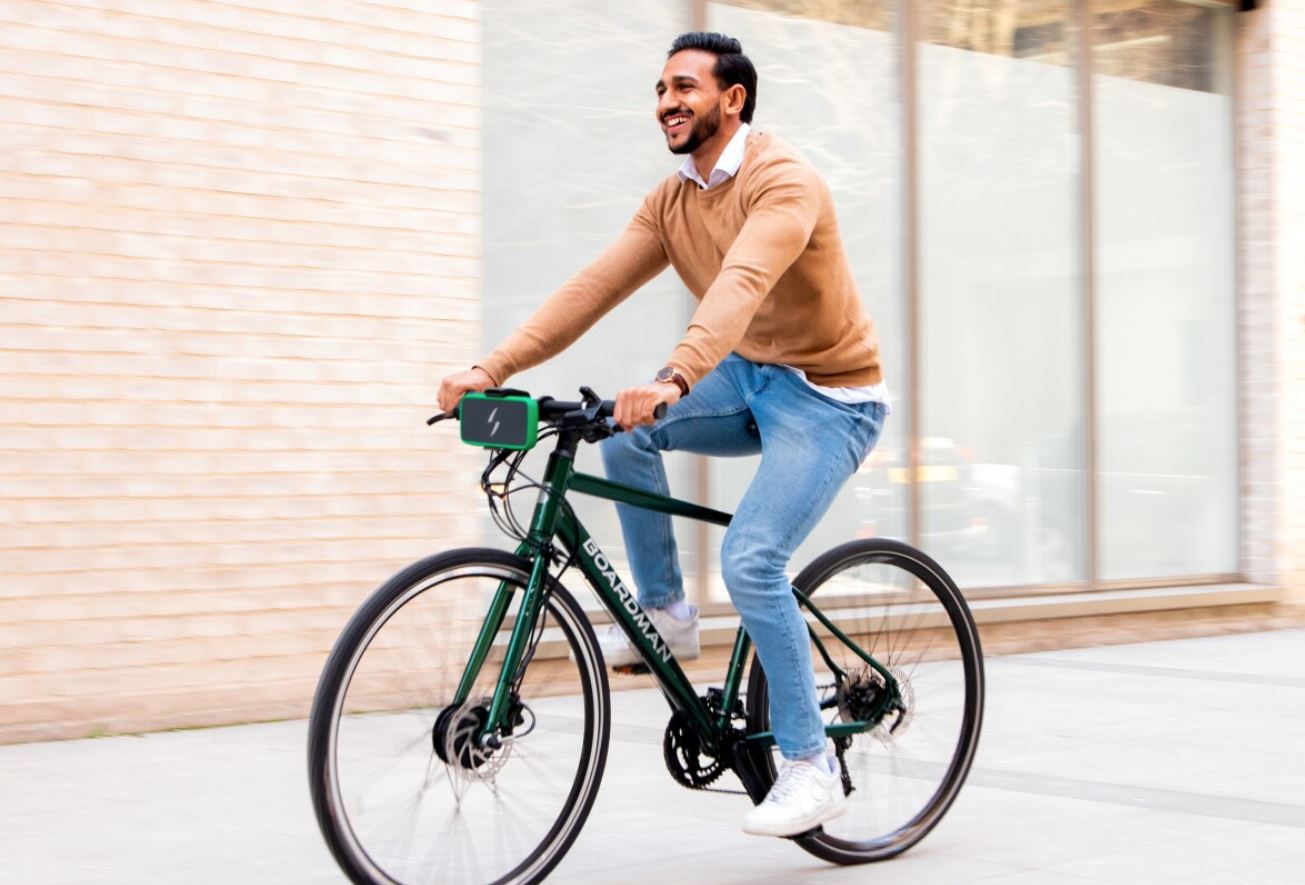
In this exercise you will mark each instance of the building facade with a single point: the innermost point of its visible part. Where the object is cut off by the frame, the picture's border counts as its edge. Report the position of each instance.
(242, 243)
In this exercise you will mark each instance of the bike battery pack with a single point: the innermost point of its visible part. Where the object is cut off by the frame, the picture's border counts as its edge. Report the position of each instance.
(499, 422)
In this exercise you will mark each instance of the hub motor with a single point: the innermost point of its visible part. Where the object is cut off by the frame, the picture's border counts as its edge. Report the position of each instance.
(455, 735)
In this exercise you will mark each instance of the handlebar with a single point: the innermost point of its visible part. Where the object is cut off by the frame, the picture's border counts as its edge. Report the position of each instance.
(553, 410)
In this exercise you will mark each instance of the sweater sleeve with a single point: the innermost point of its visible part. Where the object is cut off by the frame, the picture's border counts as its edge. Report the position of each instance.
(782, 210)
(635, 258)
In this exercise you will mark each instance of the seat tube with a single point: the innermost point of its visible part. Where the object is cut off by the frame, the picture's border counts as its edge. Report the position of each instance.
(734, 676)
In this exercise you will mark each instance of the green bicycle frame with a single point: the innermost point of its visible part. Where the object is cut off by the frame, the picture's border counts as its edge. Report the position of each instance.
(551, 522)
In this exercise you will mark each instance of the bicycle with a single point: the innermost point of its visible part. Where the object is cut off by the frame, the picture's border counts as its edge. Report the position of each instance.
(457, 737)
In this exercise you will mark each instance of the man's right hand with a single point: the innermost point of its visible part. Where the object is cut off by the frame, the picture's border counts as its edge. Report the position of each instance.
(454, 386)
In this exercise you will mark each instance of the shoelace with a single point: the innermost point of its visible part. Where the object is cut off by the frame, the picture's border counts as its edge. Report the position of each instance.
(785, 785)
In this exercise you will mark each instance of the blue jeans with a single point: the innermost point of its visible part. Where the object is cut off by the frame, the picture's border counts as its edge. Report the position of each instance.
(810, 446)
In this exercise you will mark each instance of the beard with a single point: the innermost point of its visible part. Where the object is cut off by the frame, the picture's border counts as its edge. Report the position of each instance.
(702, 129)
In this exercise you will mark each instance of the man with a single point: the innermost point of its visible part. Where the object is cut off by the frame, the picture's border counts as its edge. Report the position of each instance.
(780, 358)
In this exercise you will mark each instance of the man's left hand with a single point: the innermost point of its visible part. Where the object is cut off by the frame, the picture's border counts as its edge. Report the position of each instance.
(635, 405)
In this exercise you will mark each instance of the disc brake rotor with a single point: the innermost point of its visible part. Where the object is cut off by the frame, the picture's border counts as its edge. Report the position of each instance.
(860, 698)
(456, 739)
(898, 721)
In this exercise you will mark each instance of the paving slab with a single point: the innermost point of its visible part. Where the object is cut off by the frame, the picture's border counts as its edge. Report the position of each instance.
(1155, 762)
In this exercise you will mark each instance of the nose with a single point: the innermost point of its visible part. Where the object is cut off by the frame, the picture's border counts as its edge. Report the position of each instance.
(664, 103)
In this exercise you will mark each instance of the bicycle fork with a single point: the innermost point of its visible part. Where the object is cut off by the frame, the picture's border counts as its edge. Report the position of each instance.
(517, 654)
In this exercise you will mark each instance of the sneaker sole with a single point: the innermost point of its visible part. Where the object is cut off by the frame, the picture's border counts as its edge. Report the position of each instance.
(801, 827)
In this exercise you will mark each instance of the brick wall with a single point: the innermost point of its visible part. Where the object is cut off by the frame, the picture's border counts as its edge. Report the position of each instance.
(1271, 147)
(238, 246)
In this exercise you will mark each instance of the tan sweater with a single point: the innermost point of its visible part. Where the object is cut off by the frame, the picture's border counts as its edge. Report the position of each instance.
(761, 253)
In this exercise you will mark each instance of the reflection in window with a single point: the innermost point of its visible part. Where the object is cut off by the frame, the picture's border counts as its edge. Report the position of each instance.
(1003, 424)
(1171, 42)
(571, 147)
(807, 54)
(878, 15)
(1002, 482)
(1036, 31)
(1166, 365)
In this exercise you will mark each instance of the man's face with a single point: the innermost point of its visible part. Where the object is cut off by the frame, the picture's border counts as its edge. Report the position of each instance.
(688, 100)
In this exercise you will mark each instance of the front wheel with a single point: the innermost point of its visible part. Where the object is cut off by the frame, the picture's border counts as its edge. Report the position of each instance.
(403, 789)
(900, 607)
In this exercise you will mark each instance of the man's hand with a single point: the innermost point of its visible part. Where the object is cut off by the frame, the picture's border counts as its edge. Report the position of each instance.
(453, 387)
(634, 405)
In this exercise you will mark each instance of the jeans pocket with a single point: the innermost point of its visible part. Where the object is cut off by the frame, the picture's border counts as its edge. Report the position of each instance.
(872, 420)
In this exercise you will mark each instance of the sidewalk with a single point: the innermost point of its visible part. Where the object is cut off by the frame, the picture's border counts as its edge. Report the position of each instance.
(1180, 761)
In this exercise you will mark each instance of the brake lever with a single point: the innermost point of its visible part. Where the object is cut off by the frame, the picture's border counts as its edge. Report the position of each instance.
(613, 428)
(442, 416)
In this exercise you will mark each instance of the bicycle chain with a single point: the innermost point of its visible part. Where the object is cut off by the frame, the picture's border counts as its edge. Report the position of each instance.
(678, 729)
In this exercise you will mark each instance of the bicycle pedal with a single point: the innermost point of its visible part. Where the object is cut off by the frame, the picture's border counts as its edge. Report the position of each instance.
(638, 669)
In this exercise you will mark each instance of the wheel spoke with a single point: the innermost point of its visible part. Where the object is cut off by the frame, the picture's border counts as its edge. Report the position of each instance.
(390, 801)
(903, 781)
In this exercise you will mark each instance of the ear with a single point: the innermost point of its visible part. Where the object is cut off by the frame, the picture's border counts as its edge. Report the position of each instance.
(735, 97)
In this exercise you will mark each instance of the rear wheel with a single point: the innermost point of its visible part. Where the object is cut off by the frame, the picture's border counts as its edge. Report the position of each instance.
(902, 609)
(402, 788)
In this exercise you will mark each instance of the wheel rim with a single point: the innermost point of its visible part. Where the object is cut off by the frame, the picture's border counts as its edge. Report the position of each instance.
(904, 780)
(405, 815)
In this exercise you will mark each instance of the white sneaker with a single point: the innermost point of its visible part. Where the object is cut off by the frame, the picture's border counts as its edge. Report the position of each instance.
(804, 796)
(680, 636)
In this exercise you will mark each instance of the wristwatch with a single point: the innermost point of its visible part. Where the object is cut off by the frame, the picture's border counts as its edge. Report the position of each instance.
(669, 375)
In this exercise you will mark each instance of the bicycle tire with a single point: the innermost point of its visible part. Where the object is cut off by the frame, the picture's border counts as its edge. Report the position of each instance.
(841, 840)
(341, 721)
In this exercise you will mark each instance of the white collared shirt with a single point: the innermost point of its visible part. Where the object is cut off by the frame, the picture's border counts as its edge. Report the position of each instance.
(727, 166)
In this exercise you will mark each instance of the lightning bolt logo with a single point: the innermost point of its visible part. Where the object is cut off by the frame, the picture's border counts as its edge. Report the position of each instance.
(494, 429)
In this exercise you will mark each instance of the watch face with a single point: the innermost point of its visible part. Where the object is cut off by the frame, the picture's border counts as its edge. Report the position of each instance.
(666, 374)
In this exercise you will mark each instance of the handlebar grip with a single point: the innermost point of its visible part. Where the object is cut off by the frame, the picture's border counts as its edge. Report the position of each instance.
(608, 408)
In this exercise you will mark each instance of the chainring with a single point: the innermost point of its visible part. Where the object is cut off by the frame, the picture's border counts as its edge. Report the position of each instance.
(683, 754)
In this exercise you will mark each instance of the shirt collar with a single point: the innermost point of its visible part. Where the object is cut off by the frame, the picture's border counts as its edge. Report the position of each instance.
(726, 167)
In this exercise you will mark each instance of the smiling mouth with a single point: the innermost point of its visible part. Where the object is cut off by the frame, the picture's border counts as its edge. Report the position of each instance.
(675, 123)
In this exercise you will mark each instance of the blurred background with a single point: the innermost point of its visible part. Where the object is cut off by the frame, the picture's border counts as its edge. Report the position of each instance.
(242, 242)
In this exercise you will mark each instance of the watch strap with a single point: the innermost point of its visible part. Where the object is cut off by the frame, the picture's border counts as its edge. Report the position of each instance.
(672, 376)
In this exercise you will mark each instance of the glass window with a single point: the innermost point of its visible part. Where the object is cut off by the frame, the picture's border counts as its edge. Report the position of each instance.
(827, 83)
(1002, 481)
(571, 146)
(1166, 323)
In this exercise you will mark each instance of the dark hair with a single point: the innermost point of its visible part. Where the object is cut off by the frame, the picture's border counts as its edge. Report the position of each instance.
(732, 66)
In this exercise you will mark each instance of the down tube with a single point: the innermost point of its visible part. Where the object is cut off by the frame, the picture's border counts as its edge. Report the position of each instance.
(625, 610)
